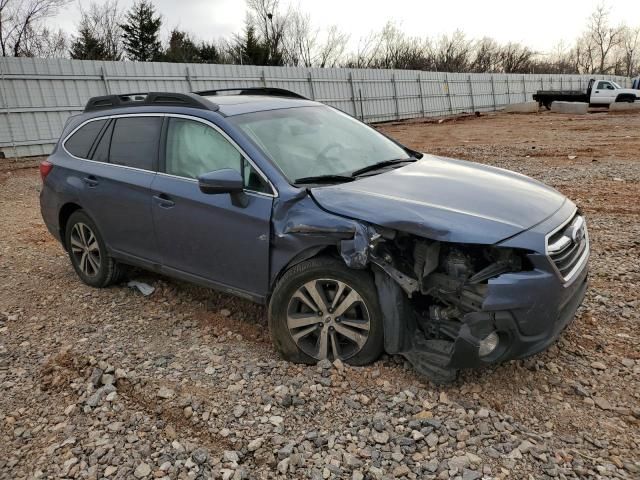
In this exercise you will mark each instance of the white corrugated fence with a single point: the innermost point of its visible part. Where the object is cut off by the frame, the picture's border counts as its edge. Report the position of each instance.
(37, 95)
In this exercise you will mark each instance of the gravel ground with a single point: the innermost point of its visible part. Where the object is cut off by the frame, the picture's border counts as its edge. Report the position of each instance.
(184, 383)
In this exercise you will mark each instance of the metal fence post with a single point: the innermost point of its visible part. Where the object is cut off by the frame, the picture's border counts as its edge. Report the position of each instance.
(508, 92)
(493, 93)
(188, 77)
(353, 96)
(310, 79)
(424, 113)
(105, 80)
(473, 103)
(395, 95)
(524, 88)
(446, 80)
(5, 102)
(263, 78)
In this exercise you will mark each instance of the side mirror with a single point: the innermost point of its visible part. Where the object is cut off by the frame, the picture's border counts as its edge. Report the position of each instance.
(226, 180)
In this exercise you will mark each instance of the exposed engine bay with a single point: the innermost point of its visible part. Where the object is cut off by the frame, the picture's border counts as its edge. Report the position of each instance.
(444, 285)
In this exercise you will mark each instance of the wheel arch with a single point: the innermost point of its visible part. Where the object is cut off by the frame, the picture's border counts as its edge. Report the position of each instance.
(63, 216)
(626, 97)
(306, 254)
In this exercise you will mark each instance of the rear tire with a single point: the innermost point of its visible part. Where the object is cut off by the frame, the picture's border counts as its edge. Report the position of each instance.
(88, 253)
(321, 309)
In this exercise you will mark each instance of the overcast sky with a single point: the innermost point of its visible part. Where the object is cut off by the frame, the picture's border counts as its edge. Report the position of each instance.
(541, 24)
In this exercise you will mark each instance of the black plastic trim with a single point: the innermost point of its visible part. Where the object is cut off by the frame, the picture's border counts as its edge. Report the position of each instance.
(149, 99)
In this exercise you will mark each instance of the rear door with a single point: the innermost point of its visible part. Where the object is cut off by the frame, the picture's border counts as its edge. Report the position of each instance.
(211, 237)
(116, 184)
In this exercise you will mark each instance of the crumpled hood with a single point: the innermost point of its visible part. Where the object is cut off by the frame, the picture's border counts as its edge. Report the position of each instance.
(445, 199)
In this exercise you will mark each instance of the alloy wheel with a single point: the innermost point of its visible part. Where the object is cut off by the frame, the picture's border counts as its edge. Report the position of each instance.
(328, 319)
(85, 249)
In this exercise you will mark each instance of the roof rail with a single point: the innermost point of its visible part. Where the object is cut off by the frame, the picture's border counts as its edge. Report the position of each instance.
(271, 91)
(149, 99)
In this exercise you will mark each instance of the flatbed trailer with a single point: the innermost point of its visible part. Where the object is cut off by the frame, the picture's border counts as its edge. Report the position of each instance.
(547, 97)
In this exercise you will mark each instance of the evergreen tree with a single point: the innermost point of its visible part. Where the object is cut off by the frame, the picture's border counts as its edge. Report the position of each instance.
(181, 48)
(252, 50)
(209, 53)
(86, 46)
(141, 32)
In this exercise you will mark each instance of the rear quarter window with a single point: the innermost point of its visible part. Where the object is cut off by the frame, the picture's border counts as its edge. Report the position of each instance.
(134, 142)
(81, 141)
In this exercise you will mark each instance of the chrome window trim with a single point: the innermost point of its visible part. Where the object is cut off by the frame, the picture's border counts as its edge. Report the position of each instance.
(195, 180)
(244, 154)
(585, 255)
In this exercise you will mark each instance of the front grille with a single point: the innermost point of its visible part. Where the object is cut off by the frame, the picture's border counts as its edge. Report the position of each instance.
(569, 246)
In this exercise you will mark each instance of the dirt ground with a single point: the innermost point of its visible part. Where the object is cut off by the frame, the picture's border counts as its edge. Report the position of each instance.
(184, 383)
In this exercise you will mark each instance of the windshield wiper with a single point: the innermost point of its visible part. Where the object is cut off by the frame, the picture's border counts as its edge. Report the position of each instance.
(325, 179)
(379, 165)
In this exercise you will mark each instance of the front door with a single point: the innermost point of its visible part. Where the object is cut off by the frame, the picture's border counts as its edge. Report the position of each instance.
(209, 236)
(604, 93)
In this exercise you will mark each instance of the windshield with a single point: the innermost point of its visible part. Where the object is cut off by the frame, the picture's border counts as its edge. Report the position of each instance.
(616, 85)
(317, 141)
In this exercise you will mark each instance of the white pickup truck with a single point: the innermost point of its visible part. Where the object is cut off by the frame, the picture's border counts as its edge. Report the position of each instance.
(599, 92)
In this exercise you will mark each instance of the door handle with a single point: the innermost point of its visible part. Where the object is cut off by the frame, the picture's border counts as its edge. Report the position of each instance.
(597, 91)
(90, 181)
(164, 201)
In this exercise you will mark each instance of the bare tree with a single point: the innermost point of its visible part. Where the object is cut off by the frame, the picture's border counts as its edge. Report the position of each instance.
(486, 56)
(332, 49)
(300, 39)
(367, 52)
(603, 37)
(271, 25)
(453, 53)
(390, 48)
(515, 58)
(45, 43)
(630, 42)
(21, 22)
(103, 20)
(401, 52)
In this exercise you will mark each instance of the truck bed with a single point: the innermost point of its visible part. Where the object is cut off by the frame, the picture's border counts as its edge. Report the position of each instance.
(546, 97)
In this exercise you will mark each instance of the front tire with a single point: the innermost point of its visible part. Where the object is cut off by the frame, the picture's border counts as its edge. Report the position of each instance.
(321, 309)
(88, 253)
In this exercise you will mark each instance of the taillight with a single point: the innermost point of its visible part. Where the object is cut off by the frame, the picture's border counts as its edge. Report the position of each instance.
(45, 168)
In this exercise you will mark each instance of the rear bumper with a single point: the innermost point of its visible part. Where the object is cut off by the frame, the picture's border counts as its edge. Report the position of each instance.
(554, 308)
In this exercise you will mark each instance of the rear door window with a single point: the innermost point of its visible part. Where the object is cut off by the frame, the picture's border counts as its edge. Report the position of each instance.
(79, 144)
(134, 142)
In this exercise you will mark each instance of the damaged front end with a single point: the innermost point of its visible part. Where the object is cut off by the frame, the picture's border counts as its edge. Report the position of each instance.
(446, 305)
(432, 295)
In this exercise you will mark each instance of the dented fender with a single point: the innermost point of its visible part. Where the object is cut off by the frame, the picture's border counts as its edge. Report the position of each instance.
(301, 229)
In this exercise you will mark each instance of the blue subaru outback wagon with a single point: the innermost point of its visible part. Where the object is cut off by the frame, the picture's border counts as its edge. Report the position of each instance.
(357, 244)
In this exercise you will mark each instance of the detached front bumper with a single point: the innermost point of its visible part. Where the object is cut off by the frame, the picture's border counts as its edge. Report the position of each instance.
(553, 315)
